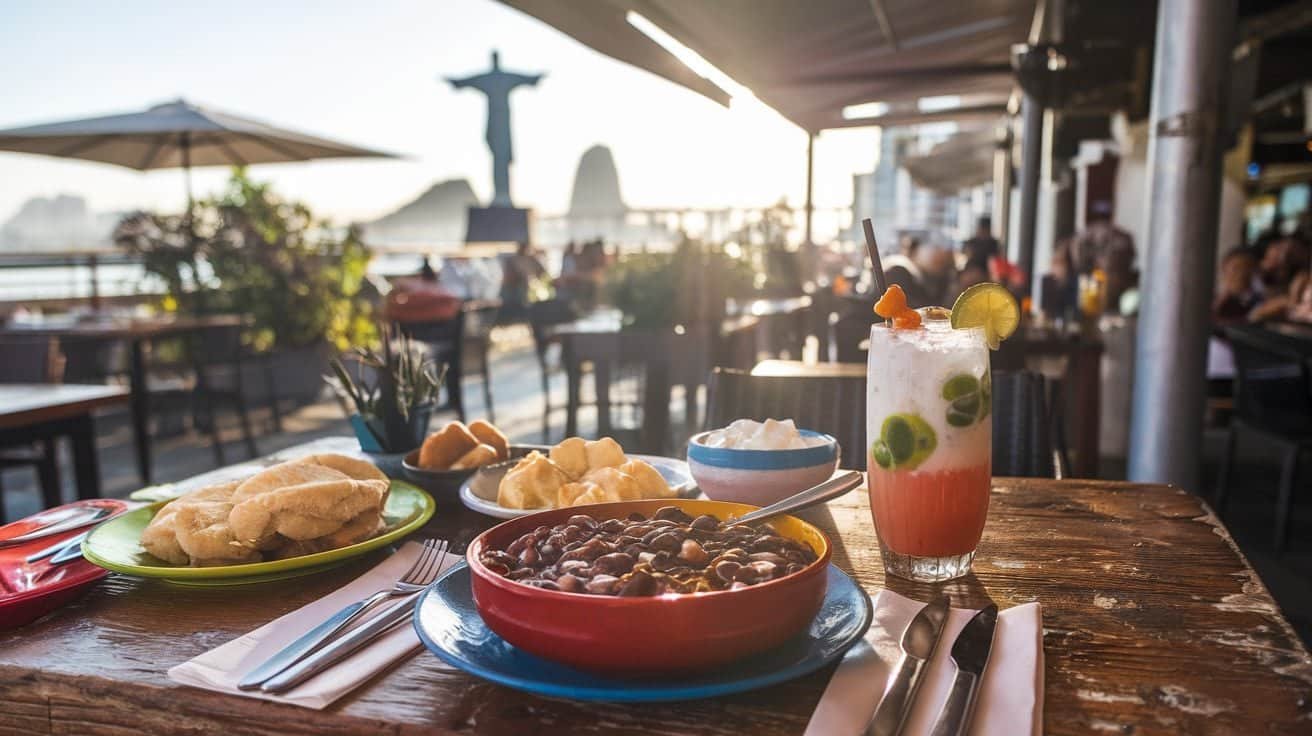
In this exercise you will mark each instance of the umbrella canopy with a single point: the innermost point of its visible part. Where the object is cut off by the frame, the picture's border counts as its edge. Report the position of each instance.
(174, 134)
(963, 161)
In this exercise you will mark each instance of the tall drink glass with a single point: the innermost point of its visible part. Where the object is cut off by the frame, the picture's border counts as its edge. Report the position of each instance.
(928, 406)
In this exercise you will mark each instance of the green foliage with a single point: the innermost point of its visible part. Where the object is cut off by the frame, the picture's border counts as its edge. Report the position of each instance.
(256, 253)
(390, 388)
(690, 284)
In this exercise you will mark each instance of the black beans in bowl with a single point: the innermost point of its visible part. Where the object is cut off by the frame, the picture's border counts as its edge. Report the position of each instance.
(671, 552)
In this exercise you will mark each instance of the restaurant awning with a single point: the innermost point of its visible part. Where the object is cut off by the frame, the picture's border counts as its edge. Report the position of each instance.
(810, 60)
(963, 161)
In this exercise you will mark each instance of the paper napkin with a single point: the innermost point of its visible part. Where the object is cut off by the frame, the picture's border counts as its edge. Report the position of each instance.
(1011, 695)
(223, 667)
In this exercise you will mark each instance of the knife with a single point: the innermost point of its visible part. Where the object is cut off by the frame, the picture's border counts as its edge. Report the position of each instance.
(55, 548)
(68, 523)
(918, 642)
(970, 653)
(72, 550)
(342, 648)
(307, 644)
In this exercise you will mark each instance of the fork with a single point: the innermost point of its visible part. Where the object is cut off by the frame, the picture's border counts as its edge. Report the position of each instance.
(424, 571)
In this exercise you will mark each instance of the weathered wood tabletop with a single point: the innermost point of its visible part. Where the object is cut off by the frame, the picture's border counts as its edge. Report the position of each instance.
(1154, 624)
(22, 404)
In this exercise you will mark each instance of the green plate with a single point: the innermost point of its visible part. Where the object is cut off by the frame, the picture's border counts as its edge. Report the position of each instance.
(116, 545)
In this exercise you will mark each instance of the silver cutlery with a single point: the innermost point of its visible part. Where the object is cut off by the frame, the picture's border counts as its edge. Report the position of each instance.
(71, 551)
(918, 642)
(421, 573)
(340, 649)
(826, 491)
(55, 548)
(71, 522)
(970, 653)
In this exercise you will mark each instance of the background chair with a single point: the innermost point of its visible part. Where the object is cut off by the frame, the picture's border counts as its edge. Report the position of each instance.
(452, 343)
(206, 372)
(636, 370)
(1025, 441)
(542, 317)
(1028, 439)
(833, 405)
(32, 360)
(1272, 398)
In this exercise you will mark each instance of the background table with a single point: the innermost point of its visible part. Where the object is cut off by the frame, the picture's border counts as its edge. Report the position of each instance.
(1154, 624)
(32, 412)
(136, 332)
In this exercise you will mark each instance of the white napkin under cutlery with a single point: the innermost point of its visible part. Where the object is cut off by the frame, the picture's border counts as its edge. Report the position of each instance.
(222, 668)
(1011, 693)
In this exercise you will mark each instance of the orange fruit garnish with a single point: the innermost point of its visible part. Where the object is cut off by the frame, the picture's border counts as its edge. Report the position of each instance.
(907, 320)
(892, 303)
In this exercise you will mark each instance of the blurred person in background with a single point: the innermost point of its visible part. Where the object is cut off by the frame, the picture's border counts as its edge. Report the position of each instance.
(1281, 273)
(519, 272)
(1300, 307)
(970, 275)
(982, 247)
(1235, 292)
(1059, 290)
(901, 268)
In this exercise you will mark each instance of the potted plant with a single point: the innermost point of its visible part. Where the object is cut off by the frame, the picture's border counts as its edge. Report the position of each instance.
(250, 251)
(389, 398)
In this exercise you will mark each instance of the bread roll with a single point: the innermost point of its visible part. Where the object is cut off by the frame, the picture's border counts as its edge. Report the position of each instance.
(571, 457)
(475, 458)
(648, 478)
(604, 453)
(490, 435)
(532, 484)
(445, 446)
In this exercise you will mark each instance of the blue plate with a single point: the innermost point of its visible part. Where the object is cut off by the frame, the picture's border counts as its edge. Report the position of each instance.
(449, 625)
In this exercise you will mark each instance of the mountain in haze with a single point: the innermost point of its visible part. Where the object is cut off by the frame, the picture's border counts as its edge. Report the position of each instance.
(596, 209)
(596, 186)
(59, 223)
(437, 215)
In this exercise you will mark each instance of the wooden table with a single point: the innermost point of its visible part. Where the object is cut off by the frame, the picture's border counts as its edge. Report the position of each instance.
(137, 332)
(1154, 623)
(37, 412)
(669, 357)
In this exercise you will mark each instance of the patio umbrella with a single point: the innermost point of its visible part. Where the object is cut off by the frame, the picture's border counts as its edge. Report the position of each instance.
(175, 134)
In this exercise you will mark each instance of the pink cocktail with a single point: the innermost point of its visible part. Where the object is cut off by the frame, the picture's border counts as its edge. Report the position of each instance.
(928, 420)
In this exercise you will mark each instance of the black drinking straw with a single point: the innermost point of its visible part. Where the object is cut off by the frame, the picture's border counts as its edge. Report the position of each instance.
(881, 283)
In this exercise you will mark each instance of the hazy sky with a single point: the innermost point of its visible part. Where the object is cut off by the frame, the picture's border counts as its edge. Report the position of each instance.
(369, 73)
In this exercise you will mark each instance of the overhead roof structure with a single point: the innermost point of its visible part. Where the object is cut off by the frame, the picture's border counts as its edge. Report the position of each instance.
(810, 60)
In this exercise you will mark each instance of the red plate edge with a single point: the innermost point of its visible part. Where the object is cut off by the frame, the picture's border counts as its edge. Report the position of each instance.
(23, 606)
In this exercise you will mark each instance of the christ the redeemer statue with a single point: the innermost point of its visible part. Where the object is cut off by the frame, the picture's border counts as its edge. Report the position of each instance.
(497, 85)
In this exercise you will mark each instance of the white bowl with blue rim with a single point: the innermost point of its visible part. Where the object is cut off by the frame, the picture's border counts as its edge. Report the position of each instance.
(760, 477)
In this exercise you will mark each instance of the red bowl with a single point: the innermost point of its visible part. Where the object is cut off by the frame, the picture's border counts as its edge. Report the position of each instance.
(647, 635)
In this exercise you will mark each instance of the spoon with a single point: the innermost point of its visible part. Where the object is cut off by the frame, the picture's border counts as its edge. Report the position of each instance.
(829, 490)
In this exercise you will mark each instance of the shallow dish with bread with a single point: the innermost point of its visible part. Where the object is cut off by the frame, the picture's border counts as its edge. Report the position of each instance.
(453, 453)
(572, 473)
(291, 518)
(654, 631)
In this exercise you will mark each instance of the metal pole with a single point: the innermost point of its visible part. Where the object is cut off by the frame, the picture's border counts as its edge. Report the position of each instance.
(1031, 165)
(186, 168)
(1189, 77)
(810, 184)
(1002, 187)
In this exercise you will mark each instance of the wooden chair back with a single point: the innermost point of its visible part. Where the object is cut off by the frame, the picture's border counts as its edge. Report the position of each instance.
(833, 405)
(1273, 384)
(34, 359)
